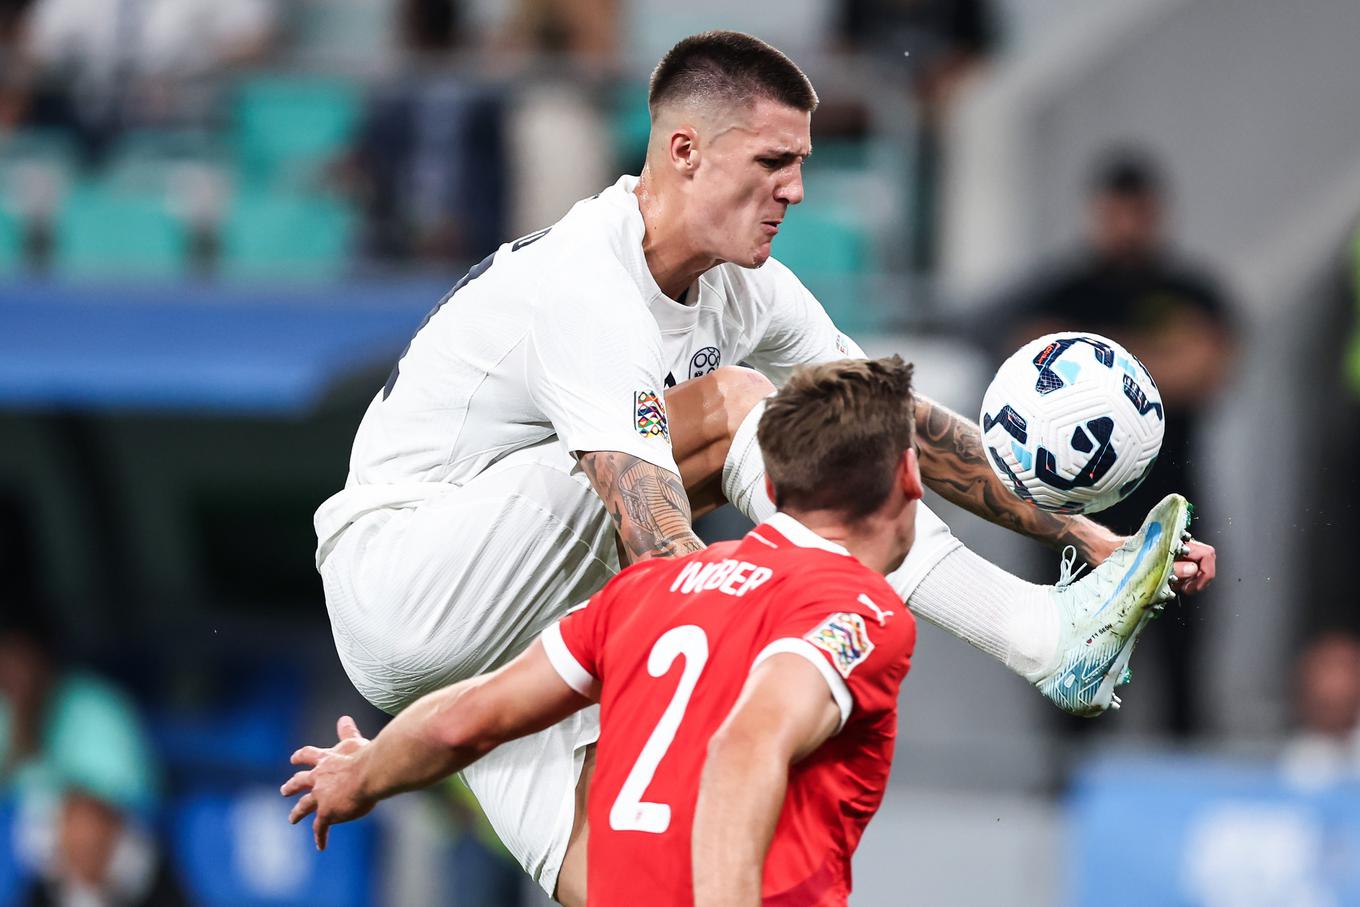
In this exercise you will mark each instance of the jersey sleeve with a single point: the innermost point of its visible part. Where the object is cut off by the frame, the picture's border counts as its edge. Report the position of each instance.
(573, 645)
(859, 637)
(795, 329)
(595, 368)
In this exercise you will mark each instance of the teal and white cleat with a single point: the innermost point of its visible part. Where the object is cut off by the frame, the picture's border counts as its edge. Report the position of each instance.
(1103, 613)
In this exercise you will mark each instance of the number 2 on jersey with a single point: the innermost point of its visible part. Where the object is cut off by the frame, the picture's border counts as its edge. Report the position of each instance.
(629, 812)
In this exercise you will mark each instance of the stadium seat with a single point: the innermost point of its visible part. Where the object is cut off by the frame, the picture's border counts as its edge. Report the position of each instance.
(286, 236)
(11, 243)
(37, 167)
(287, 128)
(113, 232)
(151, 157)
(631, 124)
(49, 145)
(829, 252)
(236, 849)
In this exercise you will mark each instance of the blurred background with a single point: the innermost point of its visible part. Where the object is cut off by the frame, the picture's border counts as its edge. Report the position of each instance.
(221, 220)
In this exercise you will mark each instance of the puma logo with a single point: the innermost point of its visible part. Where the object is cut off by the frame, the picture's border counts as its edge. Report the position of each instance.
(878, 612)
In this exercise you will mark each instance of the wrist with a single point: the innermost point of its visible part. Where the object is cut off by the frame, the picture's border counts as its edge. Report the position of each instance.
(1100, 543)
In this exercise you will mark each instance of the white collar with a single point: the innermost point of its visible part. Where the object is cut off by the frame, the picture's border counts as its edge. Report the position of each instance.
(802, 536)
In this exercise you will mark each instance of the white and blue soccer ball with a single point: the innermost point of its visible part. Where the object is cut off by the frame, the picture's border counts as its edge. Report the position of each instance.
(1072, 422)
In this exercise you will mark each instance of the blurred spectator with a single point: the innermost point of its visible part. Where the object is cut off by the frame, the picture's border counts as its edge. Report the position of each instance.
(74, 755)
(572, 46)
(1325, 747)
(943, 40)
(100, 66)
(429, 161)
(940, 44)
(1127, 283)
(584, 33)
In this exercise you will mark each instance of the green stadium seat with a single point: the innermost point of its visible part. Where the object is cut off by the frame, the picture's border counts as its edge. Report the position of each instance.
(104, 231)
(148, 156)
(630, 125)
(48, 145)
(822, 240)
(11, 244)
(831, 253)
(289, 236)
(286, 128)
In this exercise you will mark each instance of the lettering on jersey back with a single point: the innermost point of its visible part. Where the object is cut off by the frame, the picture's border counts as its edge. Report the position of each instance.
(731, 577)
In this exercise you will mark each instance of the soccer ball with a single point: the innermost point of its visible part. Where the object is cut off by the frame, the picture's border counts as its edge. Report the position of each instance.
(1072, 422)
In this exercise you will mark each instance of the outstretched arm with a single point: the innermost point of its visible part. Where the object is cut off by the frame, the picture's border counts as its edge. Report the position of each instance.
(441, 733)
(648, 504)
(785, 711)
(954, 465)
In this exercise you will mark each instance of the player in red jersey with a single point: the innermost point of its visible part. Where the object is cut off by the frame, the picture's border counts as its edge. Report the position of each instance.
(748, 692)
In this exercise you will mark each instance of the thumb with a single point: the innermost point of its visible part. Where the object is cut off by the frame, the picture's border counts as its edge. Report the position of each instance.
(346, 729)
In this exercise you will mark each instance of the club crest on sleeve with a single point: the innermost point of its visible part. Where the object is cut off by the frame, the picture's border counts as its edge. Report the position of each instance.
(651, 415)
(845, 638)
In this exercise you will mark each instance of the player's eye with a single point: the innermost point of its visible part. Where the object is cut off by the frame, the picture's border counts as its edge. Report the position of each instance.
(770, 163)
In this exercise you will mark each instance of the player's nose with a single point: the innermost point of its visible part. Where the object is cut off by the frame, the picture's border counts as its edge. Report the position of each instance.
(790, 191)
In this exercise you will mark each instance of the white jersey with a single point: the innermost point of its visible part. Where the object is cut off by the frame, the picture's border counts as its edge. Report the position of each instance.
(564, 334)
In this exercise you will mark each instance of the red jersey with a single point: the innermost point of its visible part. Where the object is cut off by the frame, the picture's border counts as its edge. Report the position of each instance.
(666, 647)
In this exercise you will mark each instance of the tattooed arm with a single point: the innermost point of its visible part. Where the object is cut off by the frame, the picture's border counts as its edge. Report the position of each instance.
(954, 465)
(648, 504)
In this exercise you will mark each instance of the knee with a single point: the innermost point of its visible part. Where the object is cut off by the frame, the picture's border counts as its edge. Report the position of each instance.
(740, 390)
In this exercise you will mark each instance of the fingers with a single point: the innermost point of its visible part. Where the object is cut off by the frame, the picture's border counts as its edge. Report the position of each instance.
(1184, 570)
(308, 755)
(346, 729)
(302, 809)
(321, 829)
(302, 781)
(1196, 569)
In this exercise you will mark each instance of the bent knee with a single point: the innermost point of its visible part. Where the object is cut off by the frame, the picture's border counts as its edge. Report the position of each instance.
(740, 389)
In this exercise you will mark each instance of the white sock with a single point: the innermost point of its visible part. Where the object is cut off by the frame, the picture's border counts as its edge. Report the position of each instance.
(1013, 621)
(743, 476)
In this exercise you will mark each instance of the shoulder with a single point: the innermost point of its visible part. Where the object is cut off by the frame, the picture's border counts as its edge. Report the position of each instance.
(581, 257)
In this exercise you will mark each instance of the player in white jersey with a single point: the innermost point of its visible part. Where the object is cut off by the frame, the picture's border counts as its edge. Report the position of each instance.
(574, 400)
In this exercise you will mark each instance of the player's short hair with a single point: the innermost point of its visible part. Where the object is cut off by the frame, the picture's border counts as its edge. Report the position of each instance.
(728, 67)
(834, 434)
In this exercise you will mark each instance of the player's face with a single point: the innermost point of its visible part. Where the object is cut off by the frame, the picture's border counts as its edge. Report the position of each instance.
(752, 172)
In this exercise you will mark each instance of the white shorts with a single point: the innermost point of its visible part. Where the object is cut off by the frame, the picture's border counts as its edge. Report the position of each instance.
(458, 585)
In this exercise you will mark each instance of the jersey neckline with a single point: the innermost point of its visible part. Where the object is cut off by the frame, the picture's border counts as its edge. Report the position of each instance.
(799, 535)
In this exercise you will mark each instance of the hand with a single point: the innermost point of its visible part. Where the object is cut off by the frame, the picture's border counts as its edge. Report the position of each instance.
(1195, 569)
(333, 786)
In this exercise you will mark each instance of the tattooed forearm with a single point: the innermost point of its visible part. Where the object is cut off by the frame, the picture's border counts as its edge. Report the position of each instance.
(648, 504)
(954, 465)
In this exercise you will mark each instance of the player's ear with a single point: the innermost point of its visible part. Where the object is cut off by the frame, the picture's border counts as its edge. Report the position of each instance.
(909, 475)
(684, 149)
(769, 489)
